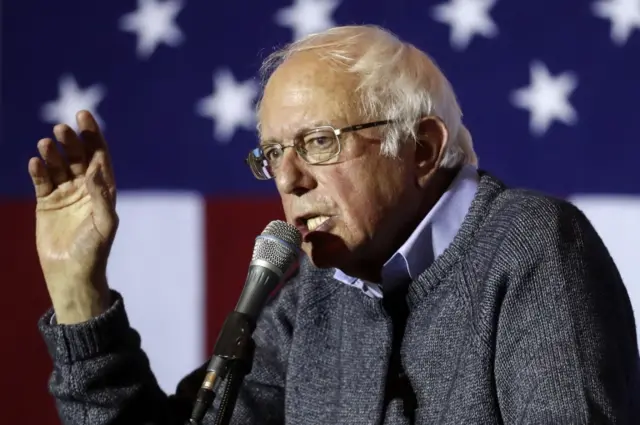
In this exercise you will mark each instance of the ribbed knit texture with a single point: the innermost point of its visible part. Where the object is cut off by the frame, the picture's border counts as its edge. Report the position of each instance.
(522, 320)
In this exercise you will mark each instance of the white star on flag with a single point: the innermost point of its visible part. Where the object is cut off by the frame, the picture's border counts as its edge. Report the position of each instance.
(546, 98)
(466, 18)
(306, 17)
(72, 99)
(229, 106)
(624, 16)
(154, 23)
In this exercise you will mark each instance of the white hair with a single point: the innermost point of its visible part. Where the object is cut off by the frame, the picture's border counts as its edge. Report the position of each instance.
(396, 81)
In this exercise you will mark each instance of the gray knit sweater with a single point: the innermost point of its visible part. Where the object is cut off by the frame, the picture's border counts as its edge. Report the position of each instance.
(522, 320)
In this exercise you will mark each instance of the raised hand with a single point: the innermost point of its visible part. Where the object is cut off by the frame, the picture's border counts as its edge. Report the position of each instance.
(76, 220)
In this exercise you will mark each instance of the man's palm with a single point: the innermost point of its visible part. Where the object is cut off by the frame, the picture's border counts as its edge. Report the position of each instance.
(66, 232)
(75, 214)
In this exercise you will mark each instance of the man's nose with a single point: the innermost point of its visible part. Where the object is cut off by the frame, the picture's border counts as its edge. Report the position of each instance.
(293, 176)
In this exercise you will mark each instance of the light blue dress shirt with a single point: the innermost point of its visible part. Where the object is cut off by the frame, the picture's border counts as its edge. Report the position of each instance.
(432, 236)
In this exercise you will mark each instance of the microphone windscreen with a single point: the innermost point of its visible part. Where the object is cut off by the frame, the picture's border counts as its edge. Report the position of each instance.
(278, 245)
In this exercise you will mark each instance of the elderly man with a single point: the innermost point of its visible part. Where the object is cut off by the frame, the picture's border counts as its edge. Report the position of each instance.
(429, 292)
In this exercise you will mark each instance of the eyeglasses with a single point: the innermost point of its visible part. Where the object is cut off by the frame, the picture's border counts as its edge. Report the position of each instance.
(320, 145)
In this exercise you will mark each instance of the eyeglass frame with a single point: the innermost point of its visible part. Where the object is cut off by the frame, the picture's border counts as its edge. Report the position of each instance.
(337, 131)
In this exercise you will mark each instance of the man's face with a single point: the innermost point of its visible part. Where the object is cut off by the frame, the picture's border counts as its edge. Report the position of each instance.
(347, 210)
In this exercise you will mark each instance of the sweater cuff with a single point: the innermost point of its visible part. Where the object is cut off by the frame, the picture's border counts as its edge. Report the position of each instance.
(98, 336)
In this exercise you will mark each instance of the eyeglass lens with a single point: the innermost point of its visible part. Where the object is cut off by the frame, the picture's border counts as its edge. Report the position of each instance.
(317, 146)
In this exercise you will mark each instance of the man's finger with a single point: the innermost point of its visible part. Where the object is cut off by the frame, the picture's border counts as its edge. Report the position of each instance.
(72, 147)
(98, 165)
(40, 177)
(56, 166)
(94, 141)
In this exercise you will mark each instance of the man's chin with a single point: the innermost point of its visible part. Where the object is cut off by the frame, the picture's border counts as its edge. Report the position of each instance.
(326, 250)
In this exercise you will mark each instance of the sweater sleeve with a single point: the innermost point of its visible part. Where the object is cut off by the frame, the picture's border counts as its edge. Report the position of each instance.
(566, 349)
(102, 376)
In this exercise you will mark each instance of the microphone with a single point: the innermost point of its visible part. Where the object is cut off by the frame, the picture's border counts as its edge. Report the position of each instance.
(275, 252)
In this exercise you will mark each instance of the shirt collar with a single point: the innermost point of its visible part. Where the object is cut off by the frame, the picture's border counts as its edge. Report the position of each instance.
(430, 238)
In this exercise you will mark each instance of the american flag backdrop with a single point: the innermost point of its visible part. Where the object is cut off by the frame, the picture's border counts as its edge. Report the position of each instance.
(550, 91)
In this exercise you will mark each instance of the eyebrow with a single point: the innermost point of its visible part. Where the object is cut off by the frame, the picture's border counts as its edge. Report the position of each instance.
(268, 142)
(310, 126)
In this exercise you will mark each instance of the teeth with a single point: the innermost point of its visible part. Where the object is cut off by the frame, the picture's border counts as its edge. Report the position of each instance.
(315, 222)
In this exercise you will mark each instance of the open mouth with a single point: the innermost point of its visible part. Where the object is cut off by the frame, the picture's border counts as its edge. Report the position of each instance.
(315, 222)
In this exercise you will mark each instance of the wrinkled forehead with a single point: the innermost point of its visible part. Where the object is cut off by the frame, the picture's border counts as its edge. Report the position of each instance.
(305, 92)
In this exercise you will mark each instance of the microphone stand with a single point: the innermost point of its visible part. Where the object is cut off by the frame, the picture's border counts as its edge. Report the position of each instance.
(236, 346)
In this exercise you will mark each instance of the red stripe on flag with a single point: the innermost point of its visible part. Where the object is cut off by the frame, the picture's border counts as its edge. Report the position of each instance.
(27, 366)
(232, 226)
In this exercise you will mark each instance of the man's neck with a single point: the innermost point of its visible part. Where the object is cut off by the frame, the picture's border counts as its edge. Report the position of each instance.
(370, 269)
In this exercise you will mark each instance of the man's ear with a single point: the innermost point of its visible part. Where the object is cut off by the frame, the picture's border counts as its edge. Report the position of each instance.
(433, 136)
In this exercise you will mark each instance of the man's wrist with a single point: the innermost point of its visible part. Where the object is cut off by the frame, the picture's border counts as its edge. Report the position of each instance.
(82, 303)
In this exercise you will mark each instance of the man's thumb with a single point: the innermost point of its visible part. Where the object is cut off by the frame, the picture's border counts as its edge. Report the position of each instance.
(104, 216)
